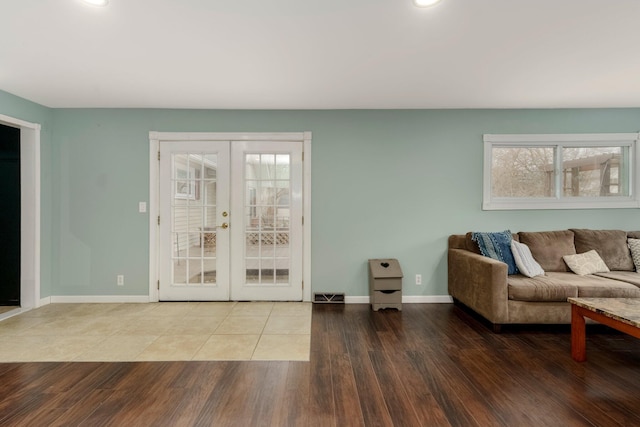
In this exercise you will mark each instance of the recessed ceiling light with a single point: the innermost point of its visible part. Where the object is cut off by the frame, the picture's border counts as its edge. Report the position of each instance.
(425, 3)
(96, 2)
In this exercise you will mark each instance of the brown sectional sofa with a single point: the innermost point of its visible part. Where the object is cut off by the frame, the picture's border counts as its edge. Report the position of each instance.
(482, 283)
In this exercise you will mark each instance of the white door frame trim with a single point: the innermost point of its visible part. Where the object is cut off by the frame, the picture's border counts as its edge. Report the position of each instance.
(30, 210)
(156, 138)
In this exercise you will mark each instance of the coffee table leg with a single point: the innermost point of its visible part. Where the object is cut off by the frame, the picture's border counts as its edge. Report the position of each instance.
(578, 335)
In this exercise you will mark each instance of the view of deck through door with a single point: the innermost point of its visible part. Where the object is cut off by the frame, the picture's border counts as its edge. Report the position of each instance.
(231, 220)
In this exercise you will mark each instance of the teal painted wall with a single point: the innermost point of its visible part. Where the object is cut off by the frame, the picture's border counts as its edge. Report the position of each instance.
(22, 109)
(386, 183)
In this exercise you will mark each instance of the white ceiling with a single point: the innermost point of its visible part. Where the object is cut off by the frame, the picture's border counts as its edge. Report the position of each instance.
(324, 54)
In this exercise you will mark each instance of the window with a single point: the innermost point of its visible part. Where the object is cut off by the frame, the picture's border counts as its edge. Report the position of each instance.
(566, 171)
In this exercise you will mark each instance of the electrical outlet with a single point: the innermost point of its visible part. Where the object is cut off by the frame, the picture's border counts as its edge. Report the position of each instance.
(120, 280)
(418, 279)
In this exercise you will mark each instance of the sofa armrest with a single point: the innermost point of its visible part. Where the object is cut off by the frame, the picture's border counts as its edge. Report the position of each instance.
(480, 283)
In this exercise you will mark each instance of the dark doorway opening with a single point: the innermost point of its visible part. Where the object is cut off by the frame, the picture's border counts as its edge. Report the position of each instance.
(10, 214)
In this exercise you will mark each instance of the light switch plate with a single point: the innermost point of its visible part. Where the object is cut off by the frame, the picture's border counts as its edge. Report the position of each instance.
(142, 207)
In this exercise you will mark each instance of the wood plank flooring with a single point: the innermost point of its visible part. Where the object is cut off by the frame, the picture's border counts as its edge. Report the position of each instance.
(429, 365)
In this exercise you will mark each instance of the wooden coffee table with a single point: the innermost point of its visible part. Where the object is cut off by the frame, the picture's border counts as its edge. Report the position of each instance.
(622, 314)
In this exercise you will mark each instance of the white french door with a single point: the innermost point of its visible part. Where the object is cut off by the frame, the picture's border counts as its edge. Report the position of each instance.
(230, 220)
(194, 206)
(266, 235)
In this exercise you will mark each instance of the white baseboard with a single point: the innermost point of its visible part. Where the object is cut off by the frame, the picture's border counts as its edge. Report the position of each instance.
(356, 300)
(406, 299)
(99, 298)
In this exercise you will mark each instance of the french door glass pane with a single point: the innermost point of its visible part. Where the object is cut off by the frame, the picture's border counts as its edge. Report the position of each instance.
(195, 271)
(179, 271)
(266, 218)
(193, 215)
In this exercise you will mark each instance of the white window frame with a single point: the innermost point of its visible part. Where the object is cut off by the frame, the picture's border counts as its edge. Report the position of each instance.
(559, 141)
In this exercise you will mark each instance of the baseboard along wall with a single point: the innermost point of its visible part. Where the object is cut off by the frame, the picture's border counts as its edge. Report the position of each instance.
(406, 299)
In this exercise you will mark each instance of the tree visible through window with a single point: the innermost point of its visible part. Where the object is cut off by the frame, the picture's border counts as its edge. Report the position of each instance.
(559, 171)
(522, 172)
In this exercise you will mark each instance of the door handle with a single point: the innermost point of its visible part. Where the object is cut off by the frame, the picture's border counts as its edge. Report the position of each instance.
(224, 225)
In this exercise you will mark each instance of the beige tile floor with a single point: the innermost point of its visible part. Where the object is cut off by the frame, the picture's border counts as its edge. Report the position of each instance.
(5, 309)
(158, 332)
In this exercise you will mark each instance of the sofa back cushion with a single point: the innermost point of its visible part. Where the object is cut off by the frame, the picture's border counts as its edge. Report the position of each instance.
(611, 245)
(548, 247)
(633, 234)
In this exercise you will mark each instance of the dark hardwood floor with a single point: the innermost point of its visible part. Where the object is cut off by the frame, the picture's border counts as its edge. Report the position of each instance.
(429, 365)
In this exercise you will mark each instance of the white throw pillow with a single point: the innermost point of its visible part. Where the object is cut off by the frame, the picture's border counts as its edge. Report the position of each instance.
(634, 247)
(586, 263)
(525, 261)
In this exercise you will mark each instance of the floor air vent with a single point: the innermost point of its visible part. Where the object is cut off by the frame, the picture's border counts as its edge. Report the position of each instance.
(324, 298)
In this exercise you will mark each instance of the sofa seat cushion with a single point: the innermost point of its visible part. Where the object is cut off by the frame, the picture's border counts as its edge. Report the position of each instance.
(550, 287)
(548, 248)
(603, 287)
(631, 277)
(611, 245)
(558, 286)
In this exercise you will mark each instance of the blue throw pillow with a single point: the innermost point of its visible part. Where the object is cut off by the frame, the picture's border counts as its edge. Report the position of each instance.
(497, 246)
